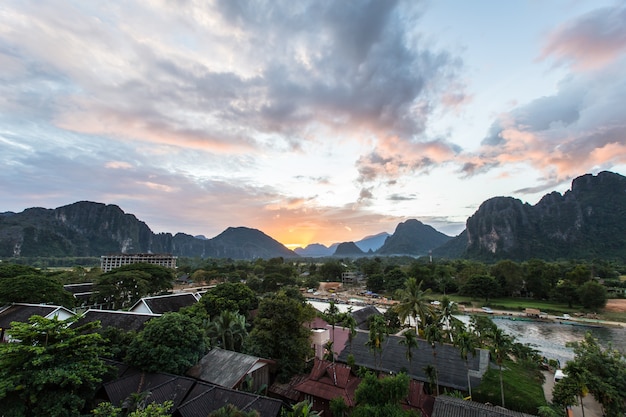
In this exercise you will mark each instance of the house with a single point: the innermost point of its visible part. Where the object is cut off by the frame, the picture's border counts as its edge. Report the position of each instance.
(452, 369)
(326, 381)
(190, 397)
(230, 369)
(168, 303)
(81, 292)
(21, 312)
(123, 320)
(329, 380)
(446, 406)
(362, 316)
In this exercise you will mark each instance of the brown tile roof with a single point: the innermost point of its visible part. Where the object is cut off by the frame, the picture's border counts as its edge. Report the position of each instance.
(329, 380)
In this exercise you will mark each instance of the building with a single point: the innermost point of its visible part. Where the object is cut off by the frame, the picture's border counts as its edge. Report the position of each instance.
(110, 262)
(22, 312)
(167, 303)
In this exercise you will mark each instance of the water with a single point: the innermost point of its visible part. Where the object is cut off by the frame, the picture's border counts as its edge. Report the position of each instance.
(549, 338)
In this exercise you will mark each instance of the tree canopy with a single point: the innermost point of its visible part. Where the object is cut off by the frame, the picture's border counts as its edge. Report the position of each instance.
(51, 369)
(279, 333)
(172, 343)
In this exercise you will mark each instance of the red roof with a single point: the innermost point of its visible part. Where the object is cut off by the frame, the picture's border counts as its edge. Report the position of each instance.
(330, 380)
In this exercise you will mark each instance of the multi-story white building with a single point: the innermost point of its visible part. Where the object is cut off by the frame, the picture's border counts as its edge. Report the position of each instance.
(110, 262)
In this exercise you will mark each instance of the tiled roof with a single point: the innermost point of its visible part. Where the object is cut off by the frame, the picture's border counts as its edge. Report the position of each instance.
(361, 316)
(169, 303)
(124, 320)
(223, 367)
(456, 407)
(21, 312)
(191, 398)
(206, 398)
(450, 365)
(330, 380)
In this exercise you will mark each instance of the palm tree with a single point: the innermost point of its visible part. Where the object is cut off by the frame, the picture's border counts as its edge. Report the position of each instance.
(377, 333)
(413, 302)
(303, 409)
(450, 323)
(466, 344)
(350, 322)
(228, 330)
(410, 341)
(230, 410)
(332, 317)
(500, 347)
(434, 335)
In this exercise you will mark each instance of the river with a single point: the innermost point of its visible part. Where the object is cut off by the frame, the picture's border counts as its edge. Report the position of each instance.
(549, 338)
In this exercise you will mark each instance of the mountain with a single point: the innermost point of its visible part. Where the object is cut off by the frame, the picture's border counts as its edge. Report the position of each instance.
(372, 243)
(588, 221)
(94, 229)
(348, 249)
(368, 244)
(316, 250)
(414, 238)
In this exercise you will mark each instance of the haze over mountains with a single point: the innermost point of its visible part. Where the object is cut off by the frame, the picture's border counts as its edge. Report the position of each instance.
(589, 221)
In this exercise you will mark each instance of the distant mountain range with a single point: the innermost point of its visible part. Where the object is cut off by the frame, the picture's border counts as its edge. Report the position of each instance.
(589, 221)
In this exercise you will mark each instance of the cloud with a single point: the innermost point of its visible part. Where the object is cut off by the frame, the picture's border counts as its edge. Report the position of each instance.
(591, 41)
(580, 128)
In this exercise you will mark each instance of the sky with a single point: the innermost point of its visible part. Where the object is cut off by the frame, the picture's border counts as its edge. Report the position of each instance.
(313, 121)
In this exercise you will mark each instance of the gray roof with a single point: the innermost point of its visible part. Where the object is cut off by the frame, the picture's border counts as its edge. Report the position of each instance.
(169, 303)
(451, 367)
(123, 320)
(223, 367)
(446, 406)
(191, 398)
(21, 312)
(361, 316)
(206, 398)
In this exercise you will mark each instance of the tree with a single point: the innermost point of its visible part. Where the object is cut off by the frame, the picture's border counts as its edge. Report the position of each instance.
(107, 409)
(500, 347)
(381, 396)
(434, 335)
(121, 289)
(228, 331)
(350, 322)
(480, 286)
(332, 316)
(377, 333)
(603, 372)
(375, 283)
(279, 333)
(34, 288)
(413, 303)
(51, 369)
(230, 410)
(592, 295)
(510, 277)
(172, 343)
(302, 409)
(394, 279)
(410, 342)
(229, 296)
(159, 279)
(466, 344)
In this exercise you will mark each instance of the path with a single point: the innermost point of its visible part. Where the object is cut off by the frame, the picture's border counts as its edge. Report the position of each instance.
(592, 407)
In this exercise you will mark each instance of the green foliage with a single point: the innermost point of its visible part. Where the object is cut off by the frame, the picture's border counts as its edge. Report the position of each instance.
(413, 302)
(381, 396)
(229, 296)
(51, 369)
(600, 371)
(592, 295)
(228, 331)
(338, 407)
(301, 409)
(523, 386)
(279, 333)
(170, 343)
(394, 280)
(375, 283)
(34, 288)
(331, 270)
(480, 286)
(230, 410)
(107, 409)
